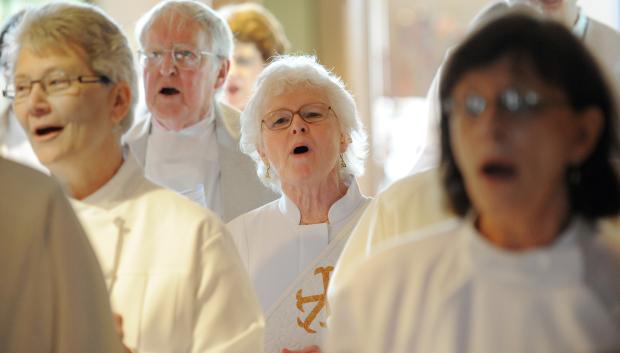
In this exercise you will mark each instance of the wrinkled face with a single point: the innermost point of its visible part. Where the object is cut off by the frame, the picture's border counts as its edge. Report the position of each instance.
(514, 161)
(304, 152)
(71, 125)
(561, 10)
(179, 97)
(245, 67)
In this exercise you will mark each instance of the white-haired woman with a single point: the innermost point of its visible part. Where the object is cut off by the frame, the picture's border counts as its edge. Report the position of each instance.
(172, 271)
(302, 128)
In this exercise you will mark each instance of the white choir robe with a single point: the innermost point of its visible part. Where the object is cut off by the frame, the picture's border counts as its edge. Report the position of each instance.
(449, 290)
(276, 249)
(172, 270)
(53, 296)
(412, 203)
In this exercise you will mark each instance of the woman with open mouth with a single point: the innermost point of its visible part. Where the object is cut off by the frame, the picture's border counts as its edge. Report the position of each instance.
(533, 261)
(302, 129)
(172, 272)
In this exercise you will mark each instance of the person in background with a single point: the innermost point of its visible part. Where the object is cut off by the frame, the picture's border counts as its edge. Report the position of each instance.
(190, 140)
(602, 40)
(171, 268)
(53, 297)
(527, 132)
(14, 144)
(258, 38)
(302, 128)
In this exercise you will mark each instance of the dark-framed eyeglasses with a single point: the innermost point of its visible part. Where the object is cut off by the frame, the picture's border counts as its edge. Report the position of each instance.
(511, 102)
(52, 84)
(283, 118)
(182, 58)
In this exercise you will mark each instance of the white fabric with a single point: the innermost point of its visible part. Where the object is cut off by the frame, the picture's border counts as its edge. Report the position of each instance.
(452, 291)
(412, 203)
(275, 248)
(171, 268)
(193, 173)
(239, 187)
(53, 297)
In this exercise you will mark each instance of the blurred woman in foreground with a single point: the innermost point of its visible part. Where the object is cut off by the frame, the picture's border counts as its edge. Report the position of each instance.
(527, 134)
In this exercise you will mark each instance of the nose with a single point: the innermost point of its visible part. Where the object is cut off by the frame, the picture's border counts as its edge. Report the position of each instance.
(298, 125)
(37, 101)
(167, 66)
(493, 123)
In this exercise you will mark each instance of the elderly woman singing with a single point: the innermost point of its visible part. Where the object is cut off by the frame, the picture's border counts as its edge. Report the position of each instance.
(532, 264)
(302, 128)
(172, 271)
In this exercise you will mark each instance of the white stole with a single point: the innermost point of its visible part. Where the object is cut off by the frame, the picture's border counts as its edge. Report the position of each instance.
(298, 318)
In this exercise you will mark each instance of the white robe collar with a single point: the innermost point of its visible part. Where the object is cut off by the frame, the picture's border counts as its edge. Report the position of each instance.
(118, 189)
(557, 263)
(339, 211)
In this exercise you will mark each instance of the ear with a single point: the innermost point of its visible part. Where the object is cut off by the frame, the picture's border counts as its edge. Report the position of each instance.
(222, 73)
(121, 101)
(587, 132)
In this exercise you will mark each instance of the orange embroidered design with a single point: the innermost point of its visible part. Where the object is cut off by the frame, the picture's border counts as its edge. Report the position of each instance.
(319, 299)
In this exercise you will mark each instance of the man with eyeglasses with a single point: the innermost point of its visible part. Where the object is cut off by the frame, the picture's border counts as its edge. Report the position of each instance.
(189, 141)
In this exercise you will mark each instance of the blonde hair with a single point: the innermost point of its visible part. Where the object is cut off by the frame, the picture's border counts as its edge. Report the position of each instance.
(61, 25)
(252, 23)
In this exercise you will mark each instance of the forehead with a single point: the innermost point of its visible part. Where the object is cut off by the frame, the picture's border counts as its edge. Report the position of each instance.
(173, 28)
(293, 97)
(499, 75)
(34, 62)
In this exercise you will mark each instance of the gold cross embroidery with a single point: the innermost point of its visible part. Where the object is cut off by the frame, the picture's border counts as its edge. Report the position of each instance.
(318, 298)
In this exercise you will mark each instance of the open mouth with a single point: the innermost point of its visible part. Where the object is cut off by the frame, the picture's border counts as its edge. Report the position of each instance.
(300, 149)
(496, 170)
(169, 91)
(48, 130)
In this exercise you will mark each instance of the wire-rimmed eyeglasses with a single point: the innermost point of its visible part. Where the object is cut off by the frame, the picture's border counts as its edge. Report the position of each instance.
(182, 58)
(52, 84)
(283, 118)
(513, 102)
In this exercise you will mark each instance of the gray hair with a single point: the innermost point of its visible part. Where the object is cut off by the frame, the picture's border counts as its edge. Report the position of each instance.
(285, 73)
(60, 25)
(214, 26)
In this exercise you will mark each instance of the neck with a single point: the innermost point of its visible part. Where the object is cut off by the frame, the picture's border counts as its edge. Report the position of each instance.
(175, 124)
(81, 178)
(530, 229)
(315, 200)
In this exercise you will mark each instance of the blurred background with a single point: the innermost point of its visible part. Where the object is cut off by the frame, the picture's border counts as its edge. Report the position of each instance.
(386, 51)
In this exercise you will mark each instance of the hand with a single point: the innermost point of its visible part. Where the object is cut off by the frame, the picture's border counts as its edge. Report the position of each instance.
(309, 349)
(118, 326)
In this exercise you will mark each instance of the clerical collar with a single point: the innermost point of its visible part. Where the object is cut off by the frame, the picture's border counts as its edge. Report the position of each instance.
(581, 26)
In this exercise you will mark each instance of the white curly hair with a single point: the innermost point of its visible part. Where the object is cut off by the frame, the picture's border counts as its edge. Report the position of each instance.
(283, 74)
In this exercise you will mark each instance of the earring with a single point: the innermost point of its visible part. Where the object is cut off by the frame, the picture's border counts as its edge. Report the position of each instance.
(267, 174)
(343, 164)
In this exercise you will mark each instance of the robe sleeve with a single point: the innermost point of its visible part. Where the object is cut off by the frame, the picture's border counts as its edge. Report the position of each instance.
(228, 316)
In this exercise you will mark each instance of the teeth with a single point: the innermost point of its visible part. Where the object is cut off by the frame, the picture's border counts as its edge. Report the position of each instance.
(300, 149)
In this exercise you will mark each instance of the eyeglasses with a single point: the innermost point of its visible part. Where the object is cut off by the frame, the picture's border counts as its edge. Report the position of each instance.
(511, 102)
(283, 118)
(52, 84)
(181, 58)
